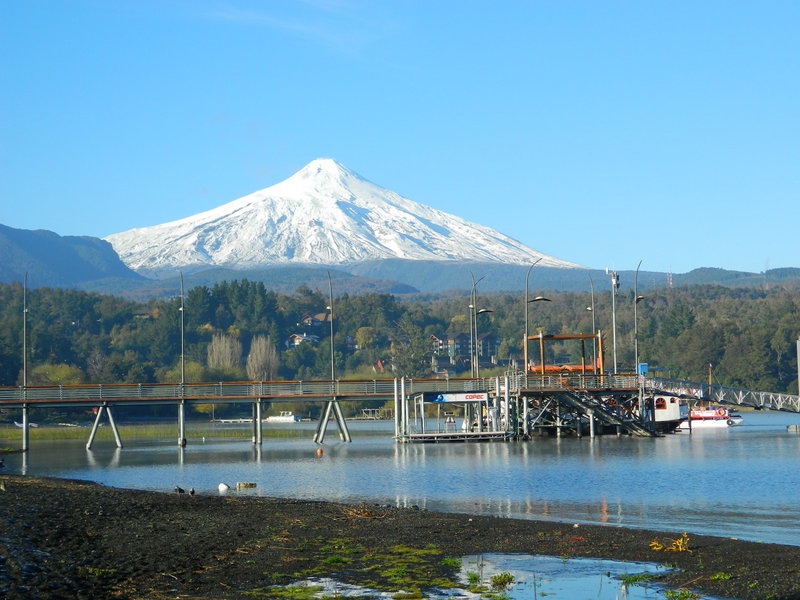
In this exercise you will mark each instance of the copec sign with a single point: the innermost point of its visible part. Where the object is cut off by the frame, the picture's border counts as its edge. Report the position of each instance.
(460, 397)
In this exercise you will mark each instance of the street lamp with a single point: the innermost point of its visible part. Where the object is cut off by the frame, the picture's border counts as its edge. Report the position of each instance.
(594, 327)
(25, 332)
(614, 288)
(531, 301)
(183, 337)
(636, 299)
(473, 326)
(525, 340)
(330, 308)
(475, 347)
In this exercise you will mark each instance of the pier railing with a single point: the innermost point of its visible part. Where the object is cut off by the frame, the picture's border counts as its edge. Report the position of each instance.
(292, 390)
(573, 381)
(721, 394)
(376, 388)
(225, 391)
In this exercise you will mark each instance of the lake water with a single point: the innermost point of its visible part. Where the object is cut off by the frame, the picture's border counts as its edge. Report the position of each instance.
(741, 482)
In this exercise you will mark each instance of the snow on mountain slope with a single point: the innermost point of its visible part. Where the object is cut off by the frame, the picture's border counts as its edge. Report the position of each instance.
(323, 214)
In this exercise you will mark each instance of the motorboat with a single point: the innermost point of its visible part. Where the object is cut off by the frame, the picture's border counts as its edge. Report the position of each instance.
(712, 416)
(285, 416)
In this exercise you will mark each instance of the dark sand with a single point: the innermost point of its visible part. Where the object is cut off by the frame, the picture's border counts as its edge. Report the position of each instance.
(71, 539)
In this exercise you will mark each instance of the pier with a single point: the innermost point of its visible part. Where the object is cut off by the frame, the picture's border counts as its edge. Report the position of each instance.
(515, 406)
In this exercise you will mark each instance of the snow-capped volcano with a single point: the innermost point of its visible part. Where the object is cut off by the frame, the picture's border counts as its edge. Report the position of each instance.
(323, 214)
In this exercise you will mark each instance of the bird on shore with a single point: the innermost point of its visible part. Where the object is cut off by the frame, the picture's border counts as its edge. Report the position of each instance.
(180, 490)
(223, 487)
(191, 491)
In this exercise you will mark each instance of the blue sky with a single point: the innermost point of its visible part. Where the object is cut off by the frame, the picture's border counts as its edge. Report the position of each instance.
(599, 132)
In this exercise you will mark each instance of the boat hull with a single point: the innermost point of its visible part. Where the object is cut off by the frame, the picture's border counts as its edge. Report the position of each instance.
(711, 418)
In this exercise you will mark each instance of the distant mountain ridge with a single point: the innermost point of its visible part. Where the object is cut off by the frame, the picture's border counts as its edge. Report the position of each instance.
(55, 261)
(90, 264)
(325, 214)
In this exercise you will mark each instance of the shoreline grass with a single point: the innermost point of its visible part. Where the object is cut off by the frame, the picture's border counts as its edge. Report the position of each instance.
(143, 431)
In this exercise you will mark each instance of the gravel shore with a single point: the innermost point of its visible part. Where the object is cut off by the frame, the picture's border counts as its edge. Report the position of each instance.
(74, 539)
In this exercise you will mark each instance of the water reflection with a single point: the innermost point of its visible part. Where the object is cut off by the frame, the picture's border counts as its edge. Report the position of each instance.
(740, 482)
(546, 576)
(531, 577)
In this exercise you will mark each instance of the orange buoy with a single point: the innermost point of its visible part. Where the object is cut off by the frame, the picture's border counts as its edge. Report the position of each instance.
(319, 451)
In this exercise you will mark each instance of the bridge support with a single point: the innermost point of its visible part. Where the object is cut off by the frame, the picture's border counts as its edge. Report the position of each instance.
(257, 430)
(182, 423)
(396, 411)
(96, 424)
(26, 432)
(332, 406)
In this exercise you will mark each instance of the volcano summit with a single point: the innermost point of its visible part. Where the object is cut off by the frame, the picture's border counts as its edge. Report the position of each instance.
(324, 214)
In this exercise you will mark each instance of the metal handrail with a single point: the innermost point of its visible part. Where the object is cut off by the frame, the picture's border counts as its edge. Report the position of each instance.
(721, 394)
(232, 389)
(385, 388)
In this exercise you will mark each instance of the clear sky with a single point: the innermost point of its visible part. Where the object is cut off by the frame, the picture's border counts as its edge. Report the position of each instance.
(599, 132)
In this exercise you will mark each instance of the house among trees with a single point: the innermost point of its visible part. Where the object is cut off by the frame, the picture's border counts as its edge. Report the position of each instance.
(315, 320)
(458, 349)
(299, 338)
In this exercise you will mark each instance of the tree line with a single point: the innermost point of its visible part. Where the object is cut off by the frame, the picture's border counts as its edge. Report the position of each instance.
(238, 330)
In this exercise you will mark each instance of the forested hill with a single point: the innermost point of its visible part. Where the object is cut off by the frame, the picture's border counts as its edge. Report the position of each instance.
(237, 330)
(52, 260)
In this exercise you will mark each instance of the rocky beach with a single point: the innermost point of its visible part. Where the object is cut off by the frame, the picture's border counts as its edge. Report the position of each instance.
(75, 539)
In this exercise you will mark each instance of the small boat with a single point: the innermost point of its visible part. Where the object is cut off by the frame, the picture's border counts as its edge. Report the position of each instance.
(712, 416)
(669, 412)
(21, 425)
(286, 416)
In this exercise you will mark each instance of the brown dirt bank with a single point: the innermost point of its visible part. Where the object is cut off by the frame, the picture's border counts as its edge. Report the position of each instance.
(72, 539)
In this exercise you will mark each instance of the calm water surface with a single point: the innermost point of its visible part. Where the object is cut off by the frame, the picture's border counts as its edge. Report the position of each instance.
(741, 482)
(534, 577)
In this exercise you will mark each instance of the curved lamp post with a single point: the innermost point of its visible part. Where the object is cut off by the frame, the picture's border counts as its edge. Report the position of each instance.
(473, 326)
(183, 331)
(525, 305)
(636, 299)
(614, 287)
(330, 308)
(482, 311)
(25, 332)
(590, 308)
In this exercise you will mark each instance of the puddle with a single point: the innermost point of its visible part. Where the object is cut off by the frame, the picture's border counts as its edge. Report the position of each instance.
(537, 577)
(534, 578)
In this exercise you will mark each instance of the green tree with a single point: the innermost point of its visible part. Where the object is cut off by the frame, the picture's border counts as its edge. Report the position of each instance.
(50, 374)
(410, 349)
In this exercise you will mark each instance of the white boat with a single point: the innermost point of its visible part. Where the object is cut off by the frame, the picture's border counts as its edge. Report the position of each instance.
(712, 416)
(286, 416)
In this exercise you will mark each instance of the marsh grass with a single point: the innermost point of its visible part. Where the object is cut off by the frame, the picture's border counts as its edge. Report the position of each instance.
(401, 570)
(146, 431)
(636, 578)
(501, 581)
(293, 592)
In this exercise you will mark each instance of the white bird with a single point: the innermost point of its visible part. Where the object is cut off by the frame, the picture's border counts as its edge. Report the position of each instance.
(223, 487)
